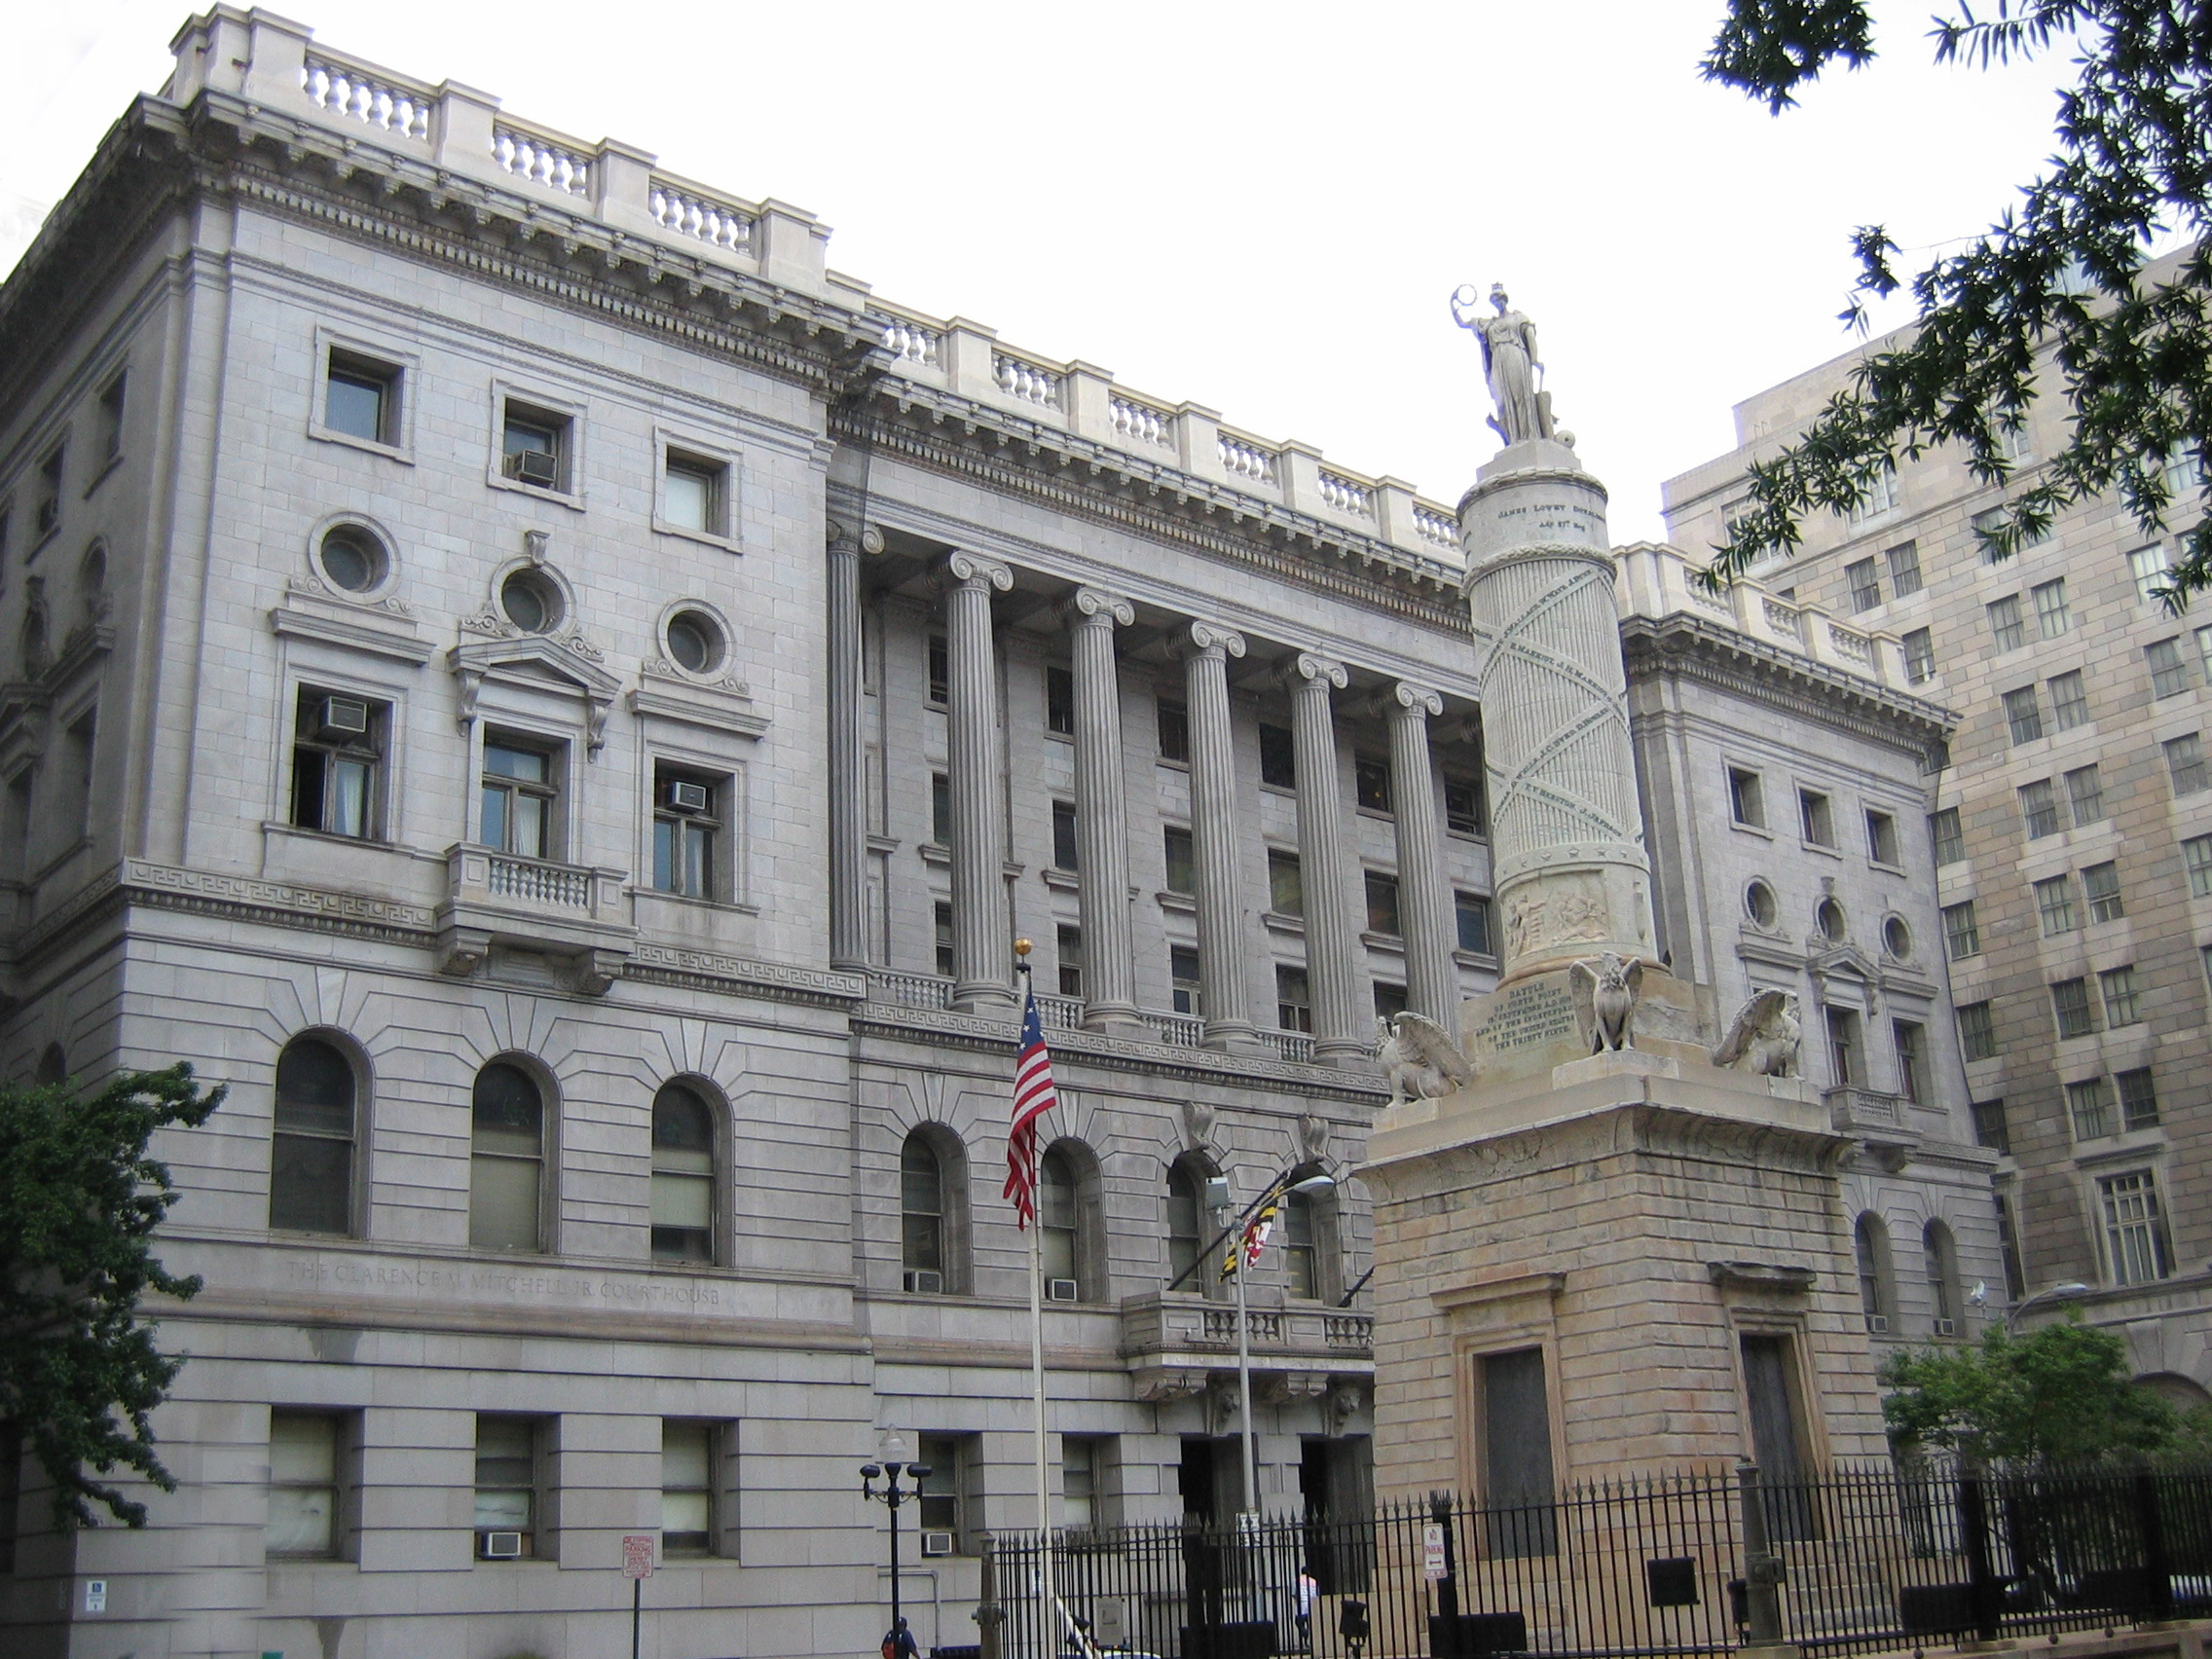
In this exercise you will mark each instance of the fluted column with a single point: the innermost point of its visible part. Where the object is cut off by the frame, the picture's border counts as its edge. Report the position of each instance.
(1101, 811)
(1207, 650)
(1425, 896)
(1342, 1026)
(981, 948)
(848, 751)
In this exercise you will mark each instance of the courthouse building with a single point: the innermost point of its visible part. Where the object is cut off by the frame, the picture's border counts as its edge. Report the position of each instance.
(562, 702)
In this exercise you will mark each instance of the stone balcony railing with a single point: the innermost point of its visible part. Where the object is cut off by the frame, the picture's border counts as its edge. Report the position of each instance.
(1173, 1342)
(1871, 1115)
(571, 913)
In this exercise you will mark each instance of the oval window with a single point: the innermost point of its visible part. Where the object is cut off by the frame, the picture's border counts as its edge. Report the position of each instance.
(1897, 937)
(695, 641)
(1829, 918)
(1758, 904)
(352, 559)
(532, 602)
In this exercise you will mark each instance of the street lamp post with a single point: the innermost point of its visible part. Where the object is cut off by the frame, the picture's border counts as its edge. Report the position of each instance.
(897, 1643)
(2050, 1293)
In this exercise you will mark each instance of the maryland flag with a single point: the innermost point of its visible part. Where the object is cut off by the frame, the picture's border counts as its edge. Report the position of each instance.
(1254, 1238)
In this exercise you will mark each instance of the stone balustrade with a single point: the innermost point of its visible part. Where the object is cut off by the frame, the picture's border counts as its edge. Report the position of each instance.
(353, 95)
(572, 912)
(1173, 1342)
(541, 160)
(1243, 458)
(711, 220)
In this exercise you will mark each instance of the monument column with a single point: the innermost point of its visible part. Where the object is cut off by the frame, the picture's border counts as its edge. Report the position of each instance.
(848, 750)
(980, 946)
(1425, 897)
(1207, 650)
(1342, 1026)
(1101, 811)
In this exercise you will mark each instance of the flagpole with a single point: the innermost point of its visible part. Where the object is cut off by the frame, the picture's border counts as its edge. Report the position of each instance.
(1049, 1625)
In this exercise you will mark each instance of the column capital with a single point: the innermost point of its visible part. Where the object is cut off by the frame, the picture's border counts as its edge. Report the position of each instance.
(1403, 699)
(964, 570)
(1308, 668)
(1089, 604)
(1198, 638)
(837, 533)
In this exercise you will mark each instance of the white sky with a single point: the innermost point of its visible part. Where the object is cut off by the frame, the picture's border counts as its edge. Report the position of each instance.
(1261, 208)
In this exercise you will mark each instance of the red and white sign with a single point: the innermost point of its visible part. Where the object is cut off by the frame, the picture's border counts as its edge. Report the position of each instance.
(637, 1555)
(1432, 1551)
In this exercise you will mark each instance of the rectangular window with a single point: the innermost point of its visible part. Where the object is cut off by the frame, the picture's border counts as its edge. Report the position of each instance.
(1904, 567)
(2023, 715)
(2086, 796)
(45, 513)
(1946, 837)
(1990, 1129)
(1866, 585)
(2054, 905)
(1279, 757)
(940, 809)
(1286, 887)
(1171, 721)
(1919, 656)
(520, 792)
(1182, 861)
(1068, 946)
(534, 446)
(1517, 1455)
(1183, 977)
(111, 420)
(1977, 1032)
(2184, 473)
(1815, 819)
(1059, 701)
(1882, 838)
(2070, 1005)
(1472, 910)
(1988, 524)
(2087, 1105)
(2203, 637)
(1462, 807)
(2052, 615)
(338, 764)
(303, 1452)
(11, 1492)
(2147, 566)
(1910, 1038)
(2169, 669)
(1371, 782)
(1962, 938)
(1935, 757)
(2006, 633)
(2138, 1100)
(1876, 496)
(2068, 701)
(2135, 1232)
(361, 397)
(2038, 809)
(2196, 859)
(2123, 1002)
(2008, 1248)
(2100, 886)
(1064, 854)
(1083, 1459)
(693, 490)
(1294, 1000)
(1847, 1063)
(943, 1506)
(941, 929)
(1381, 903)
(689, 814)
(940, 671)
(1747, 799)
(1389, 999)
(2184, 764)
(508, 1499)
(78, 746)
(687, 1487)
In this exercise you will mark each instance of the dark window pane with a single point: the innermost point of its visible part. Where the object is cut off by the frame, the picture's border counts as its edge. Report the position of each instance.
(1279, 758)
(356, 404)
(310, 1182)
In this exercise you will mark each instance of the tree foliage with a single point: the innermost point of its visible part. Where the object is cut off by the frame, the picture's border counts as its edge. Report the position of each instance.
(2061, 1392)
(2058, 286)
(78, 1200)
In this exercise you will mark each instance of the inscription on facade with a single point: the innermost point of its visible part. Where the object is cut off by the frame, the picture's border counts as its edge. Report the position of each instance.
(1538, 1011)
(512, 1284)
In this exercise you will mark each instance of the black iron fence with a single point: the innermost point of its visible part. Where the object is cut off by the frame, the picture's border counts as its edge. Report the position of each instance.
(1858, 1560)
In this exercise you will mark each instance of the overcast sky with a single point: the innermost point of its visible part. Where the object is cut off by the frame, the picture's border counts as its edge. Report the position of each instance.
(1261, 208)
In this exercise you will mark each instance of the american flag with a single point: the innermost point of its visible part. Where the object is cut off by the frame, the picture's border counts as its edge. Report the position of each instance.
(1033, 1097)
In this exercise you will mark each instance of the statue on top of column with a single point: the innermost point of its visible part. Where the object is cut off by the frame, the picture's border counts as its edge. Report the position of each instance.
(1509, 363)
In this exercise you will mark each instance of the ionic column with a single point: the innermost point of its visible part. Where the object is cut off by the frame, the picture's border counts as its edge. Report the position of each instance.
(1101, 811)
(1425, 896)
(1207, 650)
(981, 949)
(1340, 1024)
(848, 751)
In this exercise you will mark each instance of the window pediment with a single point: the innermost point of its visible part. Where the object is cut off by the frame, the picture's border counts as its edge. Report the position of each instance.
(531, 660)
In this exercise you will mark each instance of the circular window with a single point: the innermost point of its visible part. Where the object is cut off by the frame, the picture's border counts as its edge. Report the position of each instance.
(532, 602)
(1758, 904)
(1829, 918)
(1897, 937)
(695, 641)
(352, 559)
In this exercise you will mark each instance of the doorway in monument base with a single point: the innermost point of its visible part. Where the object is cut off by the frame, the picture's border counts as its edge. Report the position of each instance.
(1335, 1483)
(1514, 1432)
(1773, 1399)
(1211, 1489)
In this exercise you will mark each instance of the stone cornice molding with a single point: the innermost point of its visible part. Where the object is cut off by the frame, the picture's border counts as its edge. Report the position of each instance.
(962, 568)
(1097, 605)
(1476, 1293)
(1405, 700)
(1202, 639)
(1781, 1277)
(1309, 668)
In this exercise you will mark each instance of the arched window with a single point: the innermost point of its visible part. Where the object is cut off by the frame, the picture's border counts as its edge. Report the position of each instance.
(1943, 1256)
(1301, 1261)
(921, 1206)
(507, 1166)
(683, 1177)
(311, 1162)
(1877, 1286)
(52, 1065)
(1186, 1224)
(1060, 1224)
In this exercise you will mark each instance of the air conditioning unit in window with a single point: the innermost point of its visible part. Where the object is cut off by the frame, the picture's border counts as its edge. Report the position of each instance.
(1946, 1327)
(499, 1546)
(687, 797)
(1060, 1290)
(534, 467)
(1877, 1324)
(344, 717)
(937, 1543)
(925, 1281)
